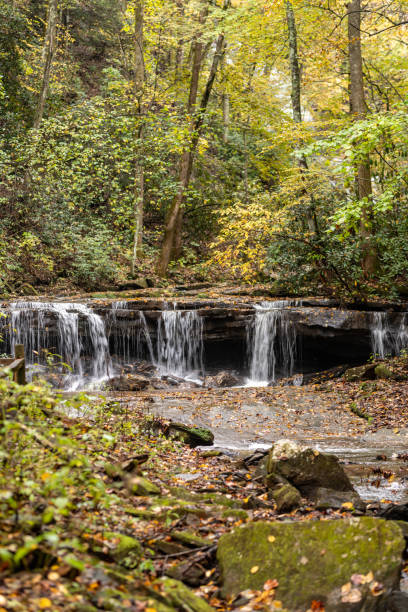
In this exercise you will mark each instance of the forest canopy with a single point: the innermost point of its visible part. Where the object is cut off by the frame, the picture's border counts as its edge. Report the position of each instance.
(251, 141)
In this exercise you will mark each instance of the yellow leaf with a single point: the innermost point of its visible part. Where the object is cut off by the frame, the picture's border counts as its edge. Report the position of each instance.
(254, 569)
(271, 538)
(347, 506)
(44, 603)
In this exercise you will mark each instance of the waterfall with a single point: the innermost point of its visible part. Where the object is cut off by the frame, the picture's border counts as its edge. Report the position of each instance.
(388, 339)
(129, 341)
(271, 339)
(31, 325)
(180, 343)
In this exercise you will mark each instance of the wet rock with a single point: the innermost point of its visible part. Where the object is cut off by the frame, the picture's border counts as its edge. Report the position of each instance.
(141, 486)
(222, 379)
(124, 550)
(287, 498)
(176, 594)
(128, 383)
(364, 372)
(336, 562)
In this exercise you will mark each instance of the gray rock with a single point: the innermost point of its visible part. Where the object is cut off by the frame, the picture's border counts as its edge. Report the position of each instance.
(222, 379)
(128, 383)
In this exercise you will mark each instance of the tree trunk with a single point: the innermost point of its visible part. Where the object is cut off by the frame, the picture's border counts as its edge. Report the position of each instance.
(296, 104)
(175, 217)
(50, 45)
(225, 117)
(139, 80)
(358, 110)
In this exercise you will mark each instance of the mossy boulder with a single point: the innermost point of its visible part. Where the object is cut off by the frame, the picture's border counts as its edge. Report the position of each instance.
(181, 597)
(192, 436)
(382, 371)
(364, 372)
(286, 497)
(126, 551)
(337, 562)
(142, 486)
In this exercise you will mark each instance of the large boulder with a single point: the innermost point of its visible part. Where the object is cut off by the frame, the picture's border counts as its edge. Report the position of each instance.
(222, 379)
(314, 474)
(348, 565)
(128, 383)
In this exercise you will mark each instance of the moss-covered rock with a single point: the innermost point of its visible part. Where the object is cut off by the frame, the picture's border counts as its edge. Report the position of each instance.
(364, 372)
(286, 497)
(207, 498)
(193, 436)
(236, 514)
(114, 471)
(181, 597)
(190, 538)
(314, 560)
(124, 550)
(142, 486)
(382, 371)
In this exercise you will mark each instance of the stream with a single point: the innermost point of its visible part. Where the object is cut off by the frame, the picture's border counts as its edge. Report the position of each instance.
(81, 346)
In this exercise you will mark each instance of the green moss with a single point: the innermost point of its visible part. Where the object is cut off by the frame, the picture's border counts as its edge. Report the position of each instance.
(190, 538)
(238, 514)
(125, 550)
(181, 597)
(209, 498)
(310, 560)
(287, 498)
(143, 487)
(381, 371)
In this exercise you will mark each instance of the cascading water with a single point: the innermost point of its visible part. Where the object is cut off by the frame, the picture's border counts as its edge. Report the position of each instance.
(388, 339)
(180, 343)
(30, 324)
(129, 341)
(271, 339)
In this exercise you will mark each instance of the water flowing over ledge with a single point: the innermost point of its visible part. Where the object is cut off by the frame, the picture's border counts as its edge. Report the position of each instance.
(259, 343)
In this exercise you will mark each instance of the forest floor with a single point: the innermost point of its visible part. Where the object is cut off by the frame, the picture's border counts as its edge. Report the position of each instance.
(60, 542)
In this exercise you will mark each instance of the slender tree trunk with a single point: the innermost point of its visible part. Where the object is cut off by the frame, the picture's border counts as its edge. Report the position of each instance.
(174, 220)
(186, 162)
(226, 117)
(296, 103)
(358, 110)
(139, 80)
(49, 48)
